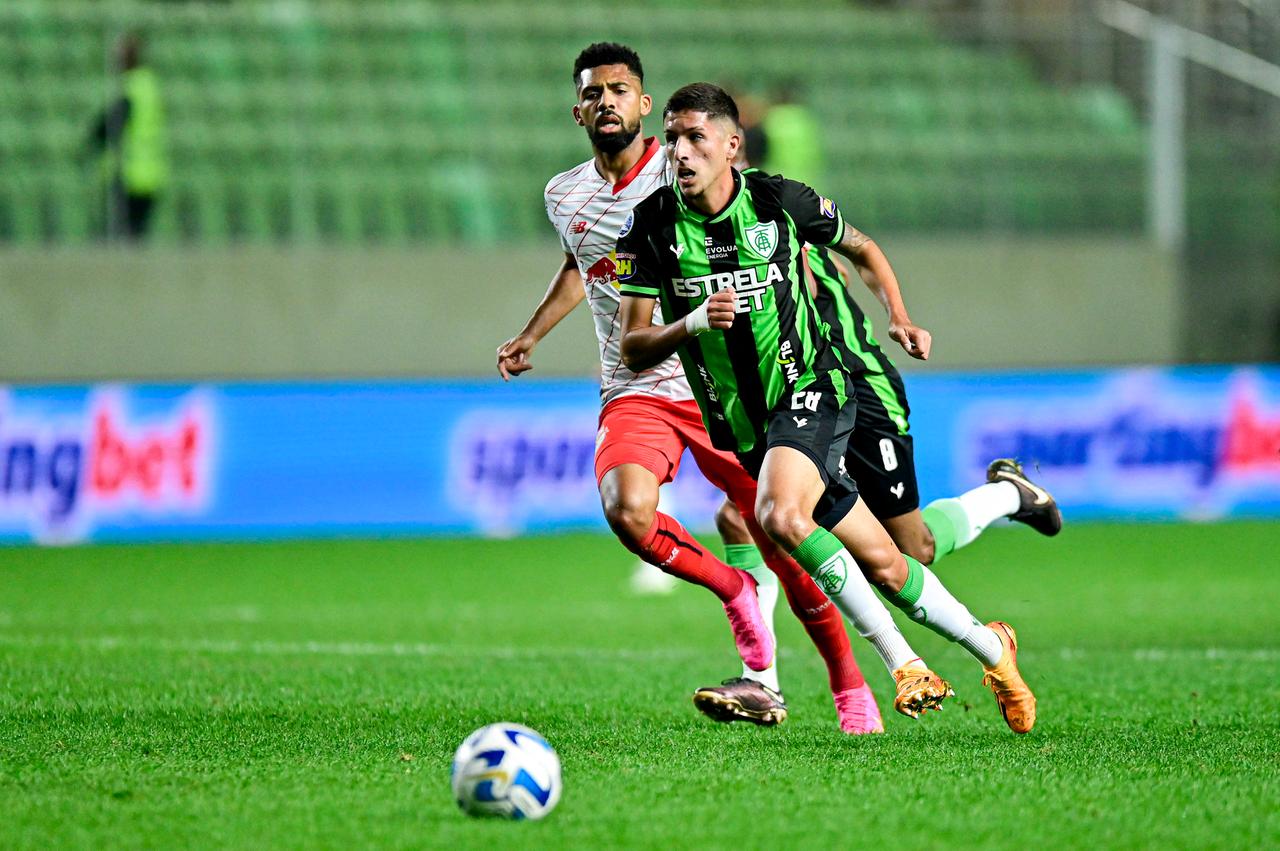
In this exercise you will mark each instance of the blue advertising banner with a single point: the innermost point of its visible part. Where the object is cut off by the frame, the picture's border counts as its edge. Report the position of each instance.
(256, 460)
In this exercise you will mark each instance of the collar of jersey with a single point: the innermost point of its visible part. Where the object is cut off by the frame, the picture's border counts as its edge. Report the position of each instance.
(651, 147)
(739, 192)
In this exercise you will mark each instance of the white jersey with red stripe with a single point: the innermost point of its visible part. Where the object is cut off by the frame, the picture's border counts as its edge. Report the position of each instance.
(590, 213)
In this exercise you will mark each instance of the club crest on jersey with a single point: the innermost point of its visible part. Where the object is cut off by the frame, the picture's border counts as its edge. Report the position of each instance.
(827, 207)
(762, 239)
(626, 226)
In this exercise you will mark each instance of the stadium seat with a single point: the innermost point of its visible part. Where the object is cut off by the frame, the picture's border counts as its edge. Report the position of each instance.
(401, 120)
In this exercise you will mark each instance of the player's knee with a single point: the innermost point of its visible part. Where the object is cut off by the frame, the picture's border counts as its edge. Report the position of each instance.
(630, 516)
(783, 521)
(730, 525)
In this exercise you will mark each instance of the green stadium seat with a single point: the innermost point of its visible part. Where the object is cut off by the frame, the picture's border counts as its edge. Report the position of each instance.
(402, 121)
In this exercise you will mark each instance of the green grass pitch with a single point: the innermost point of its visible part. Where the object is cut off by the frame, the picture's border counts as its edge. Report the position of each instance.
(311, 694)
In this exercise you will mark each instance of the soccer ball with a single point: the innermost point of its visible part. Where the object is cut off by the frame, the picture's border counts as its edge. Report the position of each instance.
(508, 771)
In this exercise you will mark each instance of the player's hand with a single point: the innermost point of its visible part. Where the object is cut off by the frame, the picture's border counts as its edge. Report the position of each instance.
(513, 357)
(721, 309)
(914, 339)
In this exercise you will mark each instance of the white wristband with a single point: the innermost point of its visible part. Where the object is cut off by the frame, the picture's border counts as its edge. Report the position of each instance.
(698, 322)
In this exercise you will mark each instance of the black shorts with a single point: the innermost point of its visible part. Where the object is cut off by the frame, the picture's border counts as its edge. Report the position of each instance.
(815, 422)
(880, 455)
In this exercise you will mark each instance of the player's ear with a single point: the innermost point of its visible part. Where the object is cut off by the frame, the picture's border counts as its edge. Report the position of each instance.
(577, 116)
(646, 104)
(734, 143)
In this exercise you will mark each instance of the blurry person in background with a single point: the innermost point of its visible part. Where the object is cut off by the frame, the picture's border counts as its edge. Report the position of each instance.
(130, 136)
(794, 139)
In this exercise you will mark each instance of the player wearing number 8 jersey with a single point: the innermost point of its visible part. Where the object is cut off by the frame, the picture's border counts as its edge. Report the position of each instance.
(881, 454)
(723, 254)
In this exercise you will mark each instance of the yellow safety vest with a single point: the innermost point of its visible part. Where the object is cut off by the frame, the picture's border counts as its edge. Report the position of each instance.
(144, 167)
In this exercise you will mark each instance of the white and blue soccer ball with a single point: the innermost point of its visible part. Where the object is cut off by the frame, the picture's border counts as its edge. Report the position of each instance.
(508, 771)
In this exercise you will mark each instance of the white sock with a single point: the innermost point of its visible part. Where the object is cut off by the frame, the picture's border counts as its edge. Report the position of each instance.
(937, 609)
(767, 591)
(841, 579)
(981, 507)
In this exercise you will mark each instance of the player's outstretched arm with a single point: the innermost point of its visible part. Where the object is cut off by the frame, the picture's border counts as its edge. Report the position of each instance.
(874, 269)
(645, 344)
(562, 296)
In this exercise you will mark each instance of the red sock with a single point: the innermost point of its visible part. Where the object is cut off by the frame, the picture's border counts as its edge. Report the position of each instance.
(669, 545)
(820, 617)
(826, 628)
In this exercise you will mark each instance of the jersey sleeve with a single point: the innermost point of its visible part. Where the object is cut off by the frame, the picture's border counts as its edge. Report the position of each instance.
(818, 220)
(638, 267)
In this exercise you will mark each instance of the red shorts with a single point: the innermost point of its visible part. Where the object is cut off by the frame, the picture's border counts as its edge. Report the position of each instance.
(654, 432)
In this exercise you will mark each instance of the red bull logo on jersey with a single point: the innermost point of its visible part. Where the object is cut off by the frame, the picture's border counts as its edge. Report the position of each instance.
(62, 473)
(1143, 442)
(605, 271)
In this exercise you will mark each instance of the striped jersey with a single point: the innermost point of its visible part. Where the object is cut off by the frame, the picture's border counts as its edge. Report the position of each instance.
(851, 333)
(590, 214)
(852, 336)
(777, 346)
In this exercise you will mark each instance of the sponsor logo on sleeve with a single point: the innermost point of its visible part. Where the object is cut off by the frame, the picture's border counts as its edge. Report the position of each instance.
(627, 225)
(827, 207)
(625, 266)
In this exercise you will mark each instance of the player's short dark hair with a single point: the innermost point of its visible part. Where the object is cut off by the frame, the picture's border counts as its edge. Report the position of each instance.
(607, 53)
(703, 97)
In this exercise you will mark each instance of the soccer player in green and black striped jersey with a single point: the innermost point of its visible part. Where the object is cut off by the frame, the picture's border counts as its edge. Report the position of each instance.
(722, 252)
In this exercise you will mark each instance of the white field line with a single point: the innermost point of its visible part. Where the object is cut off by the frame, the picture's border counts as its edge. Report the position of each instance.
(234, 647)
(135, 617)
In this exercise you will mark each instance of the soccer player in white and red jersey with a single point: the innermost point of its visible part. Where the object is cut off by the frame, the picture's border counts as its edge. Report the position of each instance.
(649, 417)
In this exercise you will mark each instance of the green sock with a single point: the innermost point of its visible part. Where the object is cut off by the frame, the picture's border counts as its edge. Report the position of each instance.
(742, 556)
(819, 555)
(946, 520)
(907, 598)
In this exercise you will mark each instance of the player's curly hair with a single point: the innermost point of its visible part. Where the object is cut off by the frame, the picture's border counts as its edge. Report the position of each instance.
(607, 53)
(703, 97)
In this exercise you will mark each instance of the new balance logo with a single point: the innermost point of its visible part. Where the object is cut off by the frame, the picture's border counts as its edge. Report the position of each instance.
(578, 227)
(801, 422)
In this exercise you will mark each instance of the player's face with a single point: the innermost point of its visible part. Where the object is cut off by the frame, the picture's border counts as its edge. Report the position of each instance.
(611, 105)
(701, 150)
